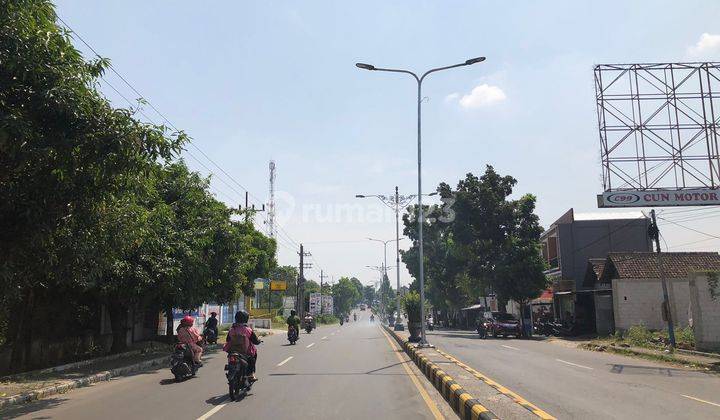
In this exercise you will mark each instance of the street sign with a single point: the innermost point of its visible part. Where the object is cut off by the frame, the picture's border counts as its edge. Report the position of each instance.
(278, 285)
(259, 285)
(660, 198)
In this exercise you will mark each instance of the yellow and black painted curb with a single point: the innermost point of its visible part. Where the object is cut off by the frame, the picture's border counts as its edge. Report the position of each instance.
(501, 389)
(467, 407)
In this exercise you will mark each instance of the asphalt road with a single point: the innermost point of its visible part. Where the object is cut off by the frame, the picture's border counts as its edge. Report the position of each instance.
(337, 372)
(571, 383)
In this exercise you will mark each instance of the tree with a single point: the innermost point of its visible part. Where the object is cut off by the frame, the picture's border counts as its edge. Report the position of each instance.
(484, 242)
(369, 294)
(359, 287)
(345, 294)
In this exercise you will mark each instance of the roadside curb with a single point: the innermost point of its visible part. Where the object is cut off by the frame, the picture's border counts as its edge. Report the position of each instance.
(649, 355)
(87, 380)
(467, 407)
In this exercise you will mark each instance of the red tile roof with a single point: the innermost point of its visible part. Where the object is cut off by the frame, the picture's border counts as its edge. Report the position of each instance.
(643, 265)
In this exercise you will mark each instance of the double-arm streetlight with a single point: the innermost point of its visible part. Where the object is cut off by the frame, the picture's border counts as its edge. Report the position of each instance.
(394, 202)
(419, 80)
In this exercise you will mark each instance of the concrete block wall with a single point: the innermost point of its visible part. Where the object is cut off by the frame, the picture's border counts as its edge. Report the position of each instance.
(705, 313)
(639, 302)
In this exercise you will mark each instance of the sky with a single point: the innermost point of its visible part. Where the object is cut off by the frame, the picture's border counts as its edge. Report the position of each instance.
(252, 81)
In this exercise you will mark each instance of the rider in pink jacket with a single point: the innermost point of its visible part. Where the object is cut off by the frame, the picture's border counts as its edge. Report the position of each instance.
(239, 333)
(188, 334)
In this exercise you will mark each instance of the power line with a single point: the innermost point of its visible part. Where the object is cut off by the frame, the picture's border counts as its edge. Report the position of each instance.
(689, 228)
(157, 111)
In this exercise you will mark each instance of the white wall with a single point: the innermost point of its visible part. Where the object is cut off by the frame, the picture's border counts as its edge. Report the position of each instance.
(639, 302)
(705, 313)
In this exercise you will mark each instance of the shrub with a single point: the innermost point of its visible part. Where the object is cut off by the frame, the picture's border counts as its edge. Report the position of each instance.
(411, 304)
(638, 335)
(685, 338)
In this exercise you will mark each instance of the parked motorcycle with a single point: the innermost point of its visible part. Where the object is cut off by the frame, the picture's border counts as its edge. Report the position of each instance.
(181, 362)
(545, 328)
(237, 375)
(292, 335)
(210, 336)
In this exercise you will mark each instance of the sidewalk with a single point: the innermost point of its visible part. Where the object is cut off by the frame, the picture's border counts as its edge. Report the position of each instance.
(500, 401)
(34, 385)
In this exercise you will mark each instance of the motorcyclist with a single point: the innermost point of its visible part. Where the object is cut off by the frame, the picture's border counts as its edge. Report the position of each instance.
(188, 334)
(212, 323)
(354, 316)
(309, 320)
(242, 339)
(372, 317)
(293, 322)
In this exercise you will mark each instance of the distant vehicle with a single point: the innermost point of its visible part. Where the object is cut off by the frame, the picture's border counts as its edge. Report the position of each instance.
(362, 307)
(502, 324)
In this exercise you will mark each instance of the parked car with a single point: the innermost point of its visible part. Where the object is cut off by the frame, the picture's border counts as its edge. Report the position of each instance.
(502, 324)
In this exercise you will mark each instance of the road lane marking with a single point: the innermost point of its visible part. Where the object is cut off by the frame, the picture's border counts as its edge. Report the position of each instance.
(309, 345)
(285, 361)
(211, 412)
(702, 401)
(423, 393)
(324, 338)
(510, 347)
(512, 395)
(574, 364)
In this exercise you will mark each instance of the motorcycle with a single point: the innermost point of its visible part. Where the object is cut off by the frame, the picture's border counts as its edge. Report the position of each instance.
(482, 329)
(237, 375)
(545, 328)
(210, 336)
(308, 327)
(292, 335)
(181, 363)
(372, 318)
(342, 319)
(430, 326)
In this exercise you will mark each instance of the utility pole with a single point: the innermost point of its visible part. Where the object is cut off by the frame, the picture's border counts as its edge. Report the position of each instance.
(250, 210)
(322, 276)
(300, 301)
(654, 233)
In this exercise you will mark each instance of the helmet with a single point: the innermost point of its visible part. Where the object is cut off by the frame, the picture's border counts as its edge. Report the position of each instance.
(213, 313)
(292, 312)
(187, 321)
(241, 317)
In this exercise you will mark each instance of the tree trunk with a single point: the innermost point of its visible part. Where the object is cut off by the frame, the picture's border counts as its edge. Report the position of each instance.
(169, 330)
(22, 346)
(118, 323)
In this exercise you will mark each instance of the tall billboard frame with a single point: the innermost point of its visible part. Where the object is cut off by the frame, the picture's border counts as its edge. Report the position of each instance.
(659, 127)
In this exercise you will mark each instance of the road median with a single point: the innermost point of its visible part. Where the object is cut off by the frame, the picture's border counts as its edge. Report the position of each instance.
(470, 399)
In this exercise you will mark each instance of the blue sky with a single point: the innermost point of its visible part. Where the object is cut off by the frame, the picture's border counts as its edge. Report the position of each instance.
(254, 81)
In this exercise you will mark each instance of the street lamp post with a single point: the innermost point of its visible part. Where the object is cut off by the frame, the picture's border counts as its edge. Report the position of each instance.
(395, 203)
(419, 80)
(385, 243)
(383, 272)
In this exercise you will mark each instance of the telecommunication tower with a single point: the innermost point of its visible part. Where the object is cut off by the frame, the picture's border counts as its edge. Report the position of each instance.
(271, 204)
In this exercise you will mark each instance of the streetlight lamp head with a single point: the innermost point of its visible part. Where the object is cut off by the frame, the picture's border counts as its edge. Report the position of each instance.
(365, 66)
(474, 61)
(433, 193)
(359, 196)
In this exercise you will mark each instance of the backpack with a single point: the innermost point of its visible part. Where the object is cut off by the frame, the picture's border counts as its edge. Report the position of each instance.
(239, 343)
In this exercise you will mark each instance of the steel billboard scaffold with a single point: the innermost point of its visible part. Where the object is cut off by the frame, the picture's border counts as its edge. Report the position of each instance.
(659, 126)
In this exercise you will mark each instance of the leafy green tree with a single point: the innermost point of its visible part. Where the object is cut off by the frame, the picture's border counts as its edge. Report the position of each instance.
(369, 294)
(345, 294)
(359, 287)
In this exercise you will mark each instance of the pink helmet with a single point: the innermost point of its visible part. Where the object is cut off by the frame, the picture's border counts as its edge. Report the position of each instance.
(187, 320)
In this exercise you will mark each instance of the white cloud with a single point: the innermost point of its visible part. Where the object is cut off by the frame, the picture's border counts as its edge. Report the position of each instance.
(481, 95)
(708, 44)
(452, 97)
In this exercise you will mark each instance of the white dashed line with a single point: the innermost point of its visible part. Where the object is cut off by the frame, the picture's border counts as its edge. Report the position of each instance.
(211, 412)
(510, 347)
(285, 361)
(702, 401)
(574, 364)
(324, 338)
(309, 345)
